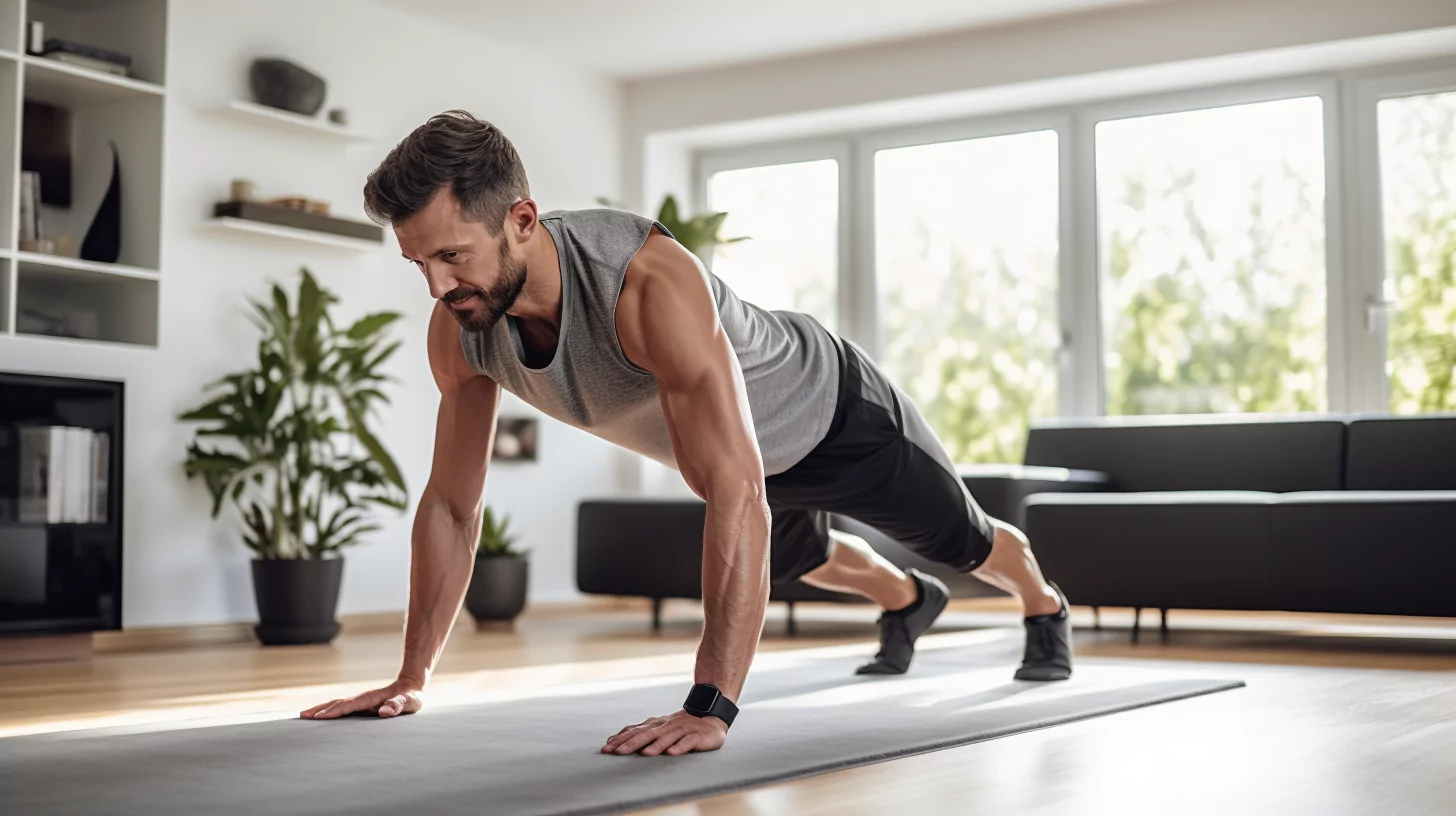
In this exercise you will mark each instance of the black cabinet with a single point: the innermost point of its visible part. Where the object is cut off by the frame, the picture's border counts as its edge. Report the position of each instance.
(60, 504)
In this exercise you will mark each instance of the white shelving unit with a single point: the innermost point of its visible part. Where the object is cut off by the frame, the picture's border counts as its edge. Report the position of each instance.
(106, 302)
(308, 236)
(264, 116)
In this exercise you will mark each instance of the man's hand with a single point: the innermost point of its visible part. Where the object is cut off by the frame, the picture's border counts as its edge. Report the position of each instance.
(677, 733)
(399, 697)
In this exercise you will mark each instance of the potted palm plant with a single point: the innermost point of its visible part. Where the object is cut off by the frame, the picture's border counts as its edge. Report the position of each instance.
(289, 446)
(497, 592)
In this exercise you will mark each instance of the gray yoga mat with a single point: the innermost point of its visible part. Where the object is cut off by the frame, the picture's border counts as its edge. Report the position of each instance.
(805, 713)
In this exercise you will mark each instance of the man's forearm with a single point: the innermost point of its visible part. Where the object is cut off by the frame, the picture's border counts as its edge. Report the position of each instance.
(735, 589)
(442, 555)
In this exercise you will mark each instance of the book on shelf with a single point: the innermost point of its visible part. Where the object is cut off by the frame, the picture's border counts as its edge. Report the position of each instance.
(89, 63)
(29, 190)
(78, 474)
(57, 45)
(100, 483)
(64, 475)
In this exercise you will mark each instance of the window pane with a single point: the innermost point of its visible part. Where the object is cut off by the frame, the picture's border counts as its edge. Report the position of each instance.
(966, 260)
(790, 213)
(1418, 172)
(1211, 242)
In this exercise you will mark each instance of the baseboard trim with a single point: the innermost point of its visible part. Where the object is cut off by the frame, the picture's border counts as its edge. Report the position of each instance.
(162, 638)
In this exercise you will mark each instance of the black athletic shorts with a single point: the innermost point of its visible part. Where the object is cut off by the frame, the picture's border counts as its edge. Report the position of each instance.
(880, 464)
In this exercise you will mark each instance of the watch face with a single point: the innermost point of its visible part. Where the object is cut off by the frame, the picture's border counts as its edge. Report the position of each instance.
(701, 698)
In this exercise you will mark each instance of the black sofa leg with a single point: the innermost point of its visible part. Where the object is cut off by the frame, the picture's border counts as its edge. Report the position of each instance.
(1137, 622)
(1097, 619)
(657, 614)
(793, 624)
(1165, 624)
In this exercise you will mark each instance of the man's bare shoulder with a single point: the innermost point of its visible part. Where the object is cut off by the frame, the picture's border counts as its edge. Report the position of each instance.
(662, 270)
(665, 298)
(447, 358)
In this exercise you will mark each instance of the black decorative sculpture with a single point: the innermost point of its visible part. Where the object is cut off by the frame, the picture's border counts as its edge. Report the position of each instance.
(103, 239)
(279, 83)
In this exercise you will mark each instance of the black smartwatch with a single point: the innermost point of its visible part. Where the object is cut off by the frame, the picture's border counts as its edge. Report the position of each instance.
(705, 700)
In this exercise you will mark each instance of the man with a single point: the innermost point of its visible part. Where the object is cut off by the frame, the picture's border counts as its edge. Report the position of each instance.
(601, 320)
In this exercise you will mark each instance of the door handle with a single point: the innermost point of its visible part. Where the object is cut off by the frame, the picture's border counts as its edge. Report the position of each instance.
(1376, 310)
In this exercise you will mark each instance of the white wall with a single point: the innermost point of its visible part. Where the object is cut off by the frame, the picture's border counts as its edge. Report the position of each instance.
(931, 77)
(392, 71)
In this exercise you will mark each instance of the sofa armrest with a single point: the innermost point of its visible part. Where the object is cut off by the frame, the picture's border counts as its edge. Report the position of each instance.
(1002, 489)
(644, 547)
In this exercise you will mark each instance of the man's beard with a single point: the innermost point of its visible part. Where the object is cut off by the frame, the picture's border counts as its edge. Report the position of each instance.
(493, 303)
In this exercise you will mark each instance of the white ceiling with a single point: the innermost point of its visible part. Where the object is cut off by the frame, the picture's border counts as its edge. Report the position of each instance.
(636, 38)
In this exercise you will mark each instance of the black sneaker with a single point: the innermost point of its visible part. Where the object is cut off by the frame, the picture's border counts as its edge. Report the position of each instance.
(1048, 645)
(899, 629)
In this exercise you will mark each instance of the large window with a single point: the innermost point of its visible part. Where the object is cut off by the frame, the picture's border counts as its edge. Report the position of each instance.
(1275, 247)
(966, 261)
(790, 214)
(1211, 241)
(1418, 177)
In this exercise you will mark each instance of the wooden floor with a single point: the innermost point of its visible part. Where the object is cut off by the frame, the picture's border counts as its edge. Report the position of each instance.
(1340, 716)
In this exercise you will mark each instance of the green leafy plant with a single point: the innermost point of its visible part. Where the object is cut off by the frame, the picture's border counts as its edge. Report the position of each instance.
(495, 539)
(697, 233)
(297, 456)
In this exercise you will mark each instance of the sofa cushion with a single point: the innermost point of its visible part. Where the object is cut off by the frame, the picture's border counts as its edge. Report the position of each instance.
(1189, 550)
(1374, 552)
(1402, 453)
(1197, 453)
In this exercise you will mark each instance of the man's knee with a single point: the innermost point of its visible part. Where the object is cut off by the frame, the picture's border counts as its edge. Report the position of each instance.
(963, 546)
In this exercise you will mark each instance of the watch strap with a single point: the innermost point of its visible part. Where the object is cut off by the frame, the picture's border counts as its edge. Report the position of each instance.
(720, 707)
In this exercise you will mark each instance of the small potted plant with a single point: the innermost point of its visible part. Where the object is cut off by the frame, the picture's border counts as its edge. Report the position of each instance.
(289, 445)
(497, 592)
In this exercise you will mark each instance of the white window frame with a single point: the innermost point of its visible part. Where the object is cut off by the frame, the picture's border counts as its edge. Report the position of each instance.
(1354, 243)
(706, 165)
(867, 288)
(1324, 87)
(1369, 306)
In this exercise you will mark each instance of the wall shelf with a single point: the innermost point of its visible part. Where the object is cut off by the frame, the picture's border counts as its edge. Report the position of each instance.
(35, 261)
(9, 56)
(264, 116)
(68, 86)
(243, 225)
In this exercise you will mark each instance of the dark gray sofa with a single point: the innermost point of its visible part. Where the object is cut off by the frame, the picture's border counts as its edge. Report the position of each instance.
(652, 548)
(1321, 514)
(1345, 514)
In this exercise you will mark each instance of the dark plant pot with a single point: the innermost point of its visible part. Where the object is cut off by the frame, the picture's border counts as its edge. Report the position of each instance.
(297, 599)
(497, 588)
(281, 84)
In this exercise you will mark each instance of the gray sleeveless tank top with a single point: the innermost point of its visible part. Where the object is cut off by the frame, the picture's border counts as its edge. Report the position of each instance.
(790, 366)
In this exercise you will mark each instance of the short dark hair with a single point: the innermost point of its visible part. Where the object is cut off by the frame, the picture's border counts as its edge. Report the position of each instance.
(453, 148)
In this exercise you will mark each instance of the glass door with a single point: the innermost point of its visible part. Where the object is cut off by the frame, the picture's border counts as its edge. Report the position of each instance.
(1403, 303)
